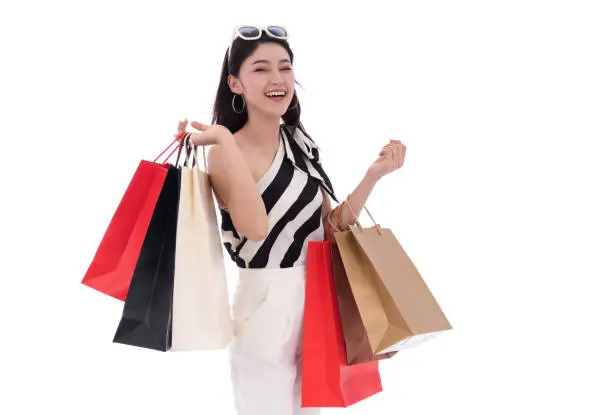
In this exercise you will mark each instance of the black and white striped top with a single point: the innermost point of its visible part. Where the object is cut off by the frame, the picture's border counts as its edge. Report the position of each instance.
(292, 194)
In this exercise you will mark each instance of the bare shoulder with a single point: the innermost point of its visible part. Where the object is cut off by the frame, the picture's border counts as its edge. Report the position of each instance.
(217, 174)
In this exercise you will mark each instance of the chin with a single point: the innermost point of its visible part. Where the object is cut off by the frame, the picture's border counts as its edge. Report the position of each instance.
(278, 110)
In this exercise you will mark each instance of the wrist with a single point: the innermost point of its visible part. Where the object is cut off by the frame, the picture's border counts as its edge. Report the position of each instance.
(372, 177)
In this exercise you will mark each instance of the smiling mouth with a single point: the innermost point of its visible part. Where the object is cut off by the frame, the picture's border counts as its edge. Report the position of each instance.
(277, 98)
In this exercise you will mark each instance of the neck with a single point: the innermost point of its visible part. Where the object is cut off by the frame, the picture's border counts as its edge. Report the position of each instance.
(262, 129)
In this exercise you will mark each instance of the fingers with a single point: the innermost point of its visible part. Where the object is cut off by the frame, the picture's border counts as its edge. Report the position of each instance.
(385, 148)
(181, 128)
(387, 157)
(182, 125)
(396, 157)
(180, 136)
(398, 152)
(384, 151)
(194, 139)
(395, 151)
(199, 126)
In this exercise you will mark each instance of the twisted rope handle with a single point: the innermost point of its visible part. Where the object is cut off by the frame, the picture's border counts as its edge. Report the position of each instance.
(357, 216)
(329, 221)
(329, 225)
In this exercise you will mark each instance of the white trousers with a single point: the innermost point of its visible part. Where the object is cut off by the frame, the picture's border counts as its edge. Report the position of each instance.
(265, 355)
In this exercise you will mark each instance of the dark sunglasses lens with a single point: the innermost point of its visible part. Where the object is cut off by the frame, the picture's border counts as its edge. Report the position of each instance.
(277, 31)
(249, 31)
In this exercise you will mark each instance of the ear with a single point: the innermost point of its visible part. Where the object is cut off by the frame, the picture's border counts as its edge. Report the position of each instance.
(233, 84)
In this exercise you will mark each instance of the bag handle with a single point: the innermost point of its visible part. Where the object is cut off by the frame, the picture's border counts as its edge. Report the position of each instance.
(178, 143)
(166, 149)
(357, 216)
(188, 162)
(329, 222)
(193, 149)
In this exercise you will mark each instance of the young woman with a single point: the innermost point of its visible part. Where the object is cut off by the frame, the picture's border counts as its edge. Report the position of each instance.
(273, 195)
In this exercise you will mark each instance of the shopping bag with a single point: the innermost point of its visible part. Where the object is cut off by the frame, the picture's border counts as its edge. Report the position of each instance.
(327, 379)
(397, 308)
(111, 269)
(356, 341)
(147, 311)
(201, 317)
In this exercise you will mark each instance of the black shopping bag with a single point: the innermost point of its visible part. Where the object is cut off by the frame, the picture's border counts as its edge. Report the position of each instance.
(147, 312)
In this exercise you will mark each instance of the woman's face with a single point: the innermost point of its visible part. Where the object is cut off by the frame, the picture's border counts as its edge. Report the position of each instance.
(267, 69)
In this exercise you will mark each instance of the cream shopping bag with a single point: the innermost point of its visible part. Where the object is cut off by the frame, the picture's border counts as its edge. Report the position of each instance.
(201, 316)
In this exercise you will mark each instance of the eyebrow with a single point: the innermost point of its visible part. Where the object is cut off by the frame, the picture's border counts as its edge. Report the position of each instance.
(267, 61)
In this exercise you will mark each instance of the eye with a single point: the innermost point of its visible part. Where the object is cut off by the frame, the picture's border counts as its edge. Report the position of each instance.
(262, 69)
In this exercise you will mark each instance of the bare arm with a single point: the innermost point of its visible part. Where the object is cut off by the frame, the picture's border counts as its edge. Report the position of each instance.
(391, 158)
(357, 199)
(235, 188)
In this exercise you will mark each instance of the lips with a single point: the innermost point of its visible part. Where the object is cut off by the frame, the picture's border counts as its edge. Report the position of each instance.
(277, 98)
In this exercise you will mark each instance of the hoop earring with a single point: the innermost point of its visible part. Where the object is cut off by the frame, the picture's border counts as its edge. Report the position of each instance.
(234, 106)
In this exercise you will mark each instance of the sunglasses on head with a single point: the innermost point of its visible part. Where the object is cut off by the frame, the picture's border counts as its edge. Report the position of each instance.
(254, 33)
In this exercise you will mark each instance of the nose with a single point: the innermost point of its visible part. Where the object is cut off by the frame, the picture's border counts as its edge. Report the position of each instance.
(277, 79)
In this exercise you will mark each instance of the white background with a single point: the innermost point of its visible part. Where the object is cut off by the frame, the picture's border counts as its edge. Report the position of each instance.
(504, 201)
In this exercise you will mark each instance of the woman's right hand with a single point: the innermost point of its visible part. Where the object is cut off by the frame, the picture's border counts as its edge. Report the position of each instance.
(182, 125)
(211, 134)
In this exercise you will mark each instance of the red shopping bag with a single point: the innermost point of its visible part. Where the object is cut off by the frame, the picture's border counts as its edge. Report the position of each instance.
(111, 269)
(327, 379)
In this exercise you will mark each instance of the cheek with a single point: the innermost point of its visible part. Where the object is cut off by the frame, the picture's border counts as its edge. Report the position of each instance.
(255, 85)
(289, 80)
(252, 83)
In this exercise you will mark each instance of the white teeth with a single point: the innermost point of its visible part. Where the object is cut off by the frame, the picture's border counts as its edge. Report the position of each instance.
(275, 94)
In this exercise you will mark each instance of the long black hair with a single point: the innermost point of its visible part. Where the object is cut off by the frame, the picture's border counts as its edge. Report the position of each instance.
(223, 113)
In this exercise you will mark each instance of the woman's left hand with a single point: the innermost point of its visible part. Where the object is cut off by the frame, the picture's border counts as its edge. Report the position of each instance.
(391, 158)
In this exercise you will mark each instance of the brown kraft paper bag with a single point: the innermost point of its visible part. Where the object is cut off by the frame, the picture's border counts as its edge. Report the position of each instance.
(397, 308)
(358, 349)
